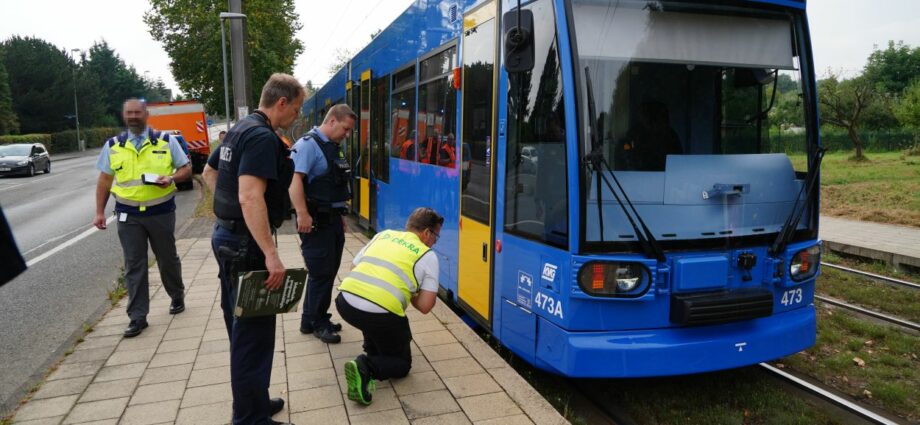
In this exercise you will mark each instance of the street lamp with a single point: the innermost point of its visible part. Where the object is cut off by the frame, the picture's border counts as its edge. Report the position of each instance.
(76, 112)
(223, 48)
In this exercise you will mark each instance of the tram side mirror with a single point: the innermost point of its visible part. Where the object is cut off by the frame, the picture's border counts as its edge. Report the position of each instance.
(518, 40)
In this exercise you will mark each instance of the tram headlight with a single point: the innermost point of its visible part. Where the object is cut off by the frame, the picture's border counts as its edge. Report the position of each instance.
(804, 263)
(614, 279)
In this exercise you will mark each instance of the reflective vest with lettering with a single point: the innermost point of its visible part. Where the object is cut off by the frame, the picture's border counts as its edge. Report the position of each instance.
(385, 274)
(129, 164)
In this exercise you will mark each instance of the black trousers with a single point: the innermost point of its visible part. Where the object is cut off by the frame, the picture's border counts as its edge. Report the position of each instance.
(159, 231)
(252, 340)
(386, 340)
(322, 253)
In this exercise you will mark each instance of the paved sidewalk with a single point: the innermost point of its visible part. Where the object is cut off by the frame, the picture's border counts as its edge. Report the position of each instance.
(177, 370)
(896, 245)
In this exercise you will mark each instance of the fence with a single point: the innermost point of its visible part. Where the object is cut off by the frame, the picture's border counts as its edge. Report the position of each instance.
(839, 140)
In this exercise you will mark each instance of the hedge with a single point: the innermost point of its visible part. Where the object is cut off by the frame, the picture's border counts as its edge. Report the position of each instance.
(65, 141)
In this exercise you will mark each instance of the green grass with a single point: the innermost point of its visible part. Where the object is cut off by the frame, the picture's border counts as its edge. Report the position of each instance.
(897, 301)
(119, 290)
(890, 376)
(884, 189)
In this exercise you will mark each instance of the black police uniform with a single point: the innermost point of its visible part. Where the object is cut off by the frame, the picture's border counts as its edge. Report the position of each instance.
(322, 247)
(251, 147)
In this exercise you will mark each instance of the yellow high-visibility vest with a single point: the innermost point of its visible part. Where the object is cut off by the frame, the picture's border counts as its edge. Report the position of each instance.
(385, 274)
(128, 165)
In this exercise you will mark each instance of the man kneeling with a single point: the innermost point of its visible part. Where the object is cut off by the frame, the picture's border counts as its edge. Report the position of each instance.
(392, 269)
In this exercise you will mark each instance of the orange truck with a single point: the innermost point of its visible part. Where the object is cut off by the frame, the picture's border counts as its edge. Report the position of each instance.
(188, 118)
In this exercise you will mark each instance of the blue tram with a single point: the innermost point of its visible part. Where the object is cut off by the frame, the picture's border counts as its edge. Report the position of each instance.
(614, 203)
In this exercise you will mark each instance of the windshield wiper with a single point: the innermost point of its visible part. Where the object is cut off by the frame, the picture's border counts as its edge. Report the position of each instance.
(788, 229)
(646, 240)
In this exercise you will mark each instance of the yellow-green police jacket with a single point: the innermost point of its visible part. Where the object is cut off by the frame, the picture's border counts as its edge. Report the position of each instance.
(128, 165)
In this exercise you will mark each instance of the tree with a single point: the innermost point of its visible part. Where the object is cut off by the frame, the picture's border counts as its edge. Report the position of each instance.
(9, 123)
(340, 59)
(117, 80)
(41, 84)
(845, 103)
(908, 107)
(190, 33)
(893, 69)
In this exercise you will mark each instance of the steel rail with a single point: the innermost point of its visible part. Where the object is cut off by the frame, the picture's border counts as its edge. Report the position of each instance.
(848, 405)
(885, 279)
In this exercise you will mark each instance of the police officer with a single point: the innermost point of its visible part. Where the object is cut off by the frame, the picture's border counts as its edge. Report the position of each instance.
(144, 207)
(318, 194)
(392, 270)
(250, 173)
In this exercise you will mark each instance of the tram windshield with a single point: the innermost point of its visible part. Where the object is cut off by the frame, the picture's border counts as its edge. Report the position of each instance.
(690, 100)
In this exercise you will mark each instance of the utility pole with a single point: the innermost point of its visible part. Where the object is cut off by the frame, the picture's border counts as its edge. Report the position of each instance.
(76, 111)
(239, 58)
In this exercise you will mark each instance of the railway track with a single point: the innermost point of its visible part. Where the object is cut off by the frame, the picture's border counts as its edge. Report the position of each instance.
(868, 312)
(878, 277)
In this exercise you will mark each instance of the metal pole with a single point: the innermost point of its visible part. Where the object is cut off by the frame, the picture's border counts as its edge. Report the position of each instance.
(239, 61)
(223, 48)
(76, 111)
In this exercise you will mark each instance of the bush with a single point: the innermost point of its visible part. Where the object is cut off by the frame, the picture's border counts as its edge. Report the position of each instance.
(65, 141)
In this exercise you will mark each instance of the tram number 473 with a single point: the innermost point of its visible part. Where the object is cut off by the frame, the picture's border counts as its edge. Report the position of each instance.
(791, 297)
(547, 303)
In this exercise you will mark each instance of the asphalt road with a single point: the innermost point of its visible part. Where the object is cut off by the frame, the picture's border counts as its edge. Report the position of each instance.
(43, 310)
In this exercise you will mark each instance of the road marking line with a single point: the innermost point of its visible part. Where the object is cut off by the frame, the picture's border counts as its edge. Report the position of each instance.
(70, 242)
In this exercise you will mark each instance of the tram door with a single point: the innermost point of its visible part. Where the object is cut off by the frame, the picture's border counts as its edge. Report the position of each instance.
(364, 151)
(474, 287)
(350, 147)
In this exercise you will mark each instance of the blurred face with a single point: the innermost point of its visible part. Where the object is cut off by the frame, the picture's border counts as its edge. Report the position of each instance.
(340, 129)
(135, 114)
(289, 111)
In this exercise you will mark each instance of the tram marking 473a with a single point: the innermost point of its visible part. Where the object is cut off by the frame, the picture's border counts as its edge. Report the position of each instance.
(614, 203)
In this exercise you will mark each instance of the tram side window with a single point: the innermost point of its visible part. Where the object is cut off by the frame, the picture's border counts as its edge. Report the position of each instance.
(437, 115)
(536, 191)
(380, 99)
(402, 115)
(476, 149)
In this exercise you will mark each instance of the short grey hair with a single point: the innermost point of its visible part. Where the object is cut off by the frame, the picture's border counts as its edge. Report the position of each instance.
(280, 85)
(339, 112)
(423, 218)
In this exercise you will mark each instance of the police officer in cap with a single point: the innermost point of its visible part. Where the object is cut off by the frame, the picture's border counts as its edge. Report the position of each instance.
(318, 194)
(250, 173)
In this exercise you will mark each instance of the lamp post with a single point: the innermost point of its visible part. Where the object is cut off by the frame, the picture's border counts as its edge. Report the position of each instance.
(223, 49)
(76, 111)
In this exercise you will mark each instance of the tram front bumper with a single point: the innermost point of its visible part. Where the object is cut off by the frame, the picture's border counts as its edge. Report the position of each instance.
(674, 351)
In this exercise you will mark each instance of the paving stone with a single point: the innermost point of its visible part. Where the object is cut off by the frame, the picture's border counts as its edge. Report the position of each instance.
(417, 382)
(75, 370)
(153, 413)
(46, 408)
(346, 349)
(307, 363)
(208, 361)
(456, 418)
(394, 417)
(89, 355)
(214, 375)
(214, 346)
(508, 420)
(96, 410)
(315, 398)
(470, 385)
(434, 338)
(174, 358)
(100, 342)
(303, 348)
(179, 345)
(427, 404)
(208, 414)
(444, 352)
(158, 375)
(457, 367)
(188, 332)
(207, 395)
(121, 357)
(526, 397)
(62, 387)
(109, 390)
(44, 421)
(139, 343)
(384, 399)
(489, 406)
(311, 379)
(335, 415)
(114, 373)
(103, 331)
(158, 392)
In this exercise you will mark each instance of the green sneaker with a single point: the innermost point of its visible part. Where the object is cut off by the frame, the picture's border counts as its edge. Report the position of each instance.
(360, 386)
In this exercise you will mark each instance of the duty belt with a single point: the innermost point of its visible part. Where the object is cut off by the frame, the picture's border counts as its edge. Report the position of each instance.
(235, 226)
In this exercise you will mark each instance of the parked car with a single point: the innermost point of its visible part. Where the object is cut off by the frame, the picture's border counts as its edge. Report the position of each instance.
(24, 159)
(186, 185)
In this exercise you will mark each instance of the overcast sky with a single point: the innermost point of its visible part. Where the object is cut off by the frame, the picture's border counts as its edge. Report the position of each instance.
(843, 31)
